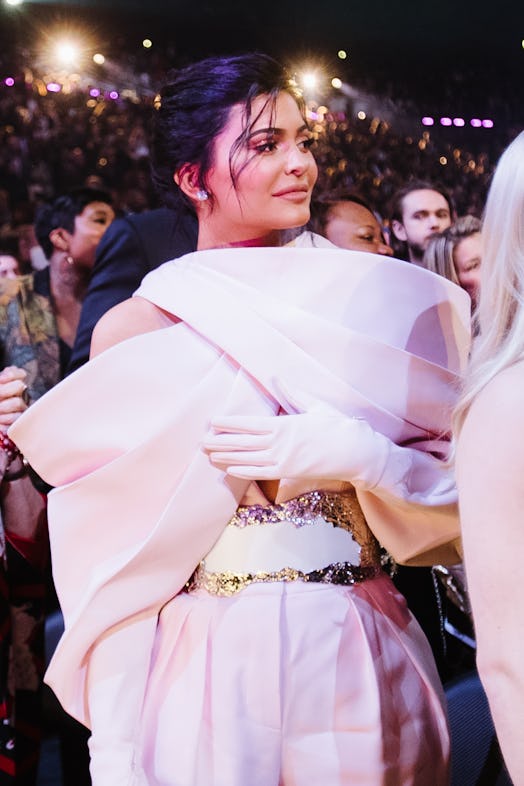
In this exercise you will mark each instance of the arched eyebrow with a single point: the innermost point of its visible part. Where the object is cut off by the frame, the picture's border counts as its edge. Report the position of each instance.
(276, 131)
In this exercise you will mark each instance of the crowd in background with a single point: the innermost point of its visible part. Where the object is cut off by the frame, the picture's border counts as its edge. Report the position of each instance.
(53, 141)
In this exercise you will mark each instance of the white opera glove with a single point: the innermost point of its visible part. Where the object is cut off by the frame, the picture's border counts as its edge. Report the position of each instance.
(319, 443)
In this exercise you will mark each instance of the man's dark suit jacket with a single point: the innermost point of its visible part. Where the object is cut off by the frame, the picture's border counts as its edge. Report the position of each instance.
(130, 248)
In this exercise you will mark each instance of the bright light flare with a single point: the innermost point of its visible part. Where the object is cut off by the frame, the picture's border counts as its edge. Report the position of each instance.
(67, 52)
(310, 80)
(147, 43)
(342, 54)
(13, 2)
(99, 59)
(336, 82)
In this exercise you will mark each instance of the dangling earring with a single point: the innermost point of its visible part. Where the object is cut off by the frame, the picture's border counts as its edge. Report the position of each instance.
(70, 260)
(202, 195)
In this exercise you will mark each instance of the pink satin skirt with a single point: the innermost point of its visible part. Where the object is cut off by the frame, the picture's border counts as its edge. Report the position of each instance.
(293, 684)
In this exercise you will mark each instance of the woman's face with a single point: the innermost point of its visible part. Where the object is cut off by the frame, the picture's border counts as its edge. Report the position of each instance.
(275, 174)
(466, 257)
(353, 226)
(90, 225)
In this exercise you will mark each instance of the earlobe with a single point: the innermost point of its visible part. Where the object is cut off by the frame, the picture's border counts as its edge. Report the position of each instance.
(398, 230)
(187, 179)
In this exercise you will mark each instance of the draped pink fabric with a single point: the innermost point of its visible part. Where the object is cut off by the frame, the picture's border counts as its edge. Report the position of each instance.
(137, 503)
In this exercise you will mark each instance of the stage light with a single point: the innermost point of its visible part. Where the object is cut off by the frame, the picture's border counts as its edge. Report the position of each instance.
(147, 43)
(342, 54)
(53, 87)
(361, 115)
(459, 121)
(67, 52)
(488, 123)
(476, 122)
(9, 81)
(309, 80)
(99, 59)
(14, 2)
(94, 92)
(443, 160)
(427, 121)
(336, 82)
(445, 121)
(113, 94)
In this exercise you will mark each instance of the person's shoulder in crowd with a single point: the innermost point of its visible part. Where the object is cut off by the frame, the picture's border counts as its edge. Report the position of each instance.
(148, 239)
(131, 247)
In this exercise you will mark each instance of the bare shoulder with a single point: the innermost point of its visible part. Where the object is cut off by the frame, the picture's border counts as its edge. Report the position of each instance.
(502, 396)
(494, 425)
(132, 317)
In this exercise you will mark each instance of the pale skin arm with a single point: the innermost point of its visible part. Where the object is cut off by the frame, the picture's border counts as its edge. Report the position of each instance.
(130, 318)
(490, 480)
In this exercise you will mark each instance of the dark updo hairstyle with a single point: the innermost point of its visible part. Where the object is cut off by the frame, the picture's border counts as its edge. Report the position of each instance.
(61, 213)
(194, 108)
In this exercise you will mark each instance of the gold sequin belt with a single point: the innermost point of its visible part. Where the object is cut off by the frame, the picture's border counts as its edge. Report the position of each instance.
(317, 537)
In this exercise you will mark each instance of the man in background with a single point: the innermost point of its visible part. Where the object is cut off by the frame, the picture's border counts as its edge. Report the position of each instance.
(418, 211)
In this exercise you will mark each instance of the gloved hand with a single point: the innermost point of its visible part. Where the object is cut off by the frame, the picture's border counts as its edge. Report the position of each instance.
(318, 443)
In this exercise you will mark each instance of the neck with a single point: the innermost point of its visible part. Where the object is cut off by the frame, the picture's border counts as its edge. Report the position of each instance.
(68, 285)
(68, 282)
(206, 241)
(415, 257)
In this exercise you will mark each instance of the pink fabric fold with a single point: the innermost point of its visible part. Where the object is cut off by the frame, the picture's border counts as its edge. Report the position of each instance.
(137, 503)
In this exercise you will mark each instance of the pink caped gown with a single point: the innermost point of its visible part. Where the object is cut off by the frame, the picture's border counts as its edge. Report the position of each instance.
(291, 659)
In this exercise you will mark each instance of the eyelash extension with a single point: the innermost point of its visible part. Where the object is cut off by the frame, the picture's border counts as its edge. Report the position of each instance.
(308, 143)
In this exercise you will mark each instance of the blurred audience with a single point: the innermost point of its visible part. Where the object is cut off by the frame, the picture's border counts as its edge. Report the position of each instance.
(39, 315)
(52, 141)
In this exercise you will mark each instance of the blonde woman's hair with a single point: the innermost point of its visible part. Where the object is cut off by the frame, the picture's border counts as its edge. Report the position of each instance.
(500, 342)
(438, 256)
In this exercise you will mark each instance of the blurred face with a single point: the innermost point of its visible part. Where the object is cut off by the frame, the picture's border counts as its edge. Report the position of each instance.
(466, 257)
(8, 266)
(90, 225)
(275, 174)
(424, 212)
(353, 226)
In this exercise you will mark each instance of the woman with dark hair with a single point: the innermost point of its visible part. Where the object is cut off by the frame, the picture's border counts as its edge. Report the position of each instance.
(348, 221)
(259, 424)
(39, 312)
